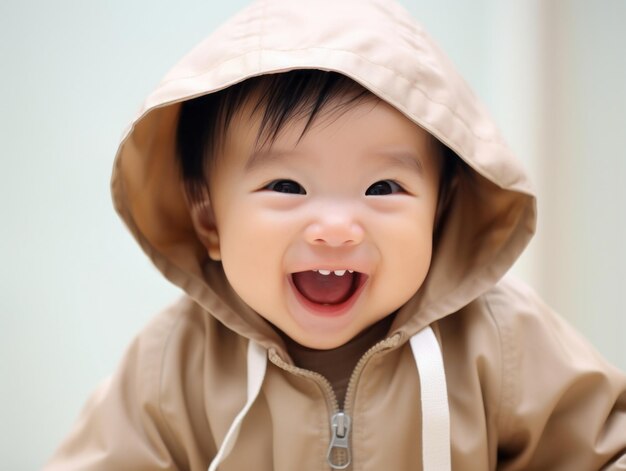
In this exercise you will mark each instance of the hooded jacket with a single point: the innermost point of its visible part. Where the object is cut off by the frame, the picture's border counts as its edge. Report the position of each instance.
(476, 372)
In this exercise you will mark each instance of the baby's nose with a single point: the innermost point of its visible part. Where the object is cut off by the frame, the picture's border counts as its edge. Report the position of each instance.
(334, 229)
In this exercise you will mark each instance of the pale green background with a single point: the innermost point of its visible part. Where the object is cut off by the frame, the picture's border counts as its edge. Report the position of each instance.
(75, 287)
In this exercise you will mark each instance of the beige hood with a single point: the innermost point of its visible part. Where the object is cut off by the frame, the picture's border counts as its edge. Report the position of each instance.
(492, 216)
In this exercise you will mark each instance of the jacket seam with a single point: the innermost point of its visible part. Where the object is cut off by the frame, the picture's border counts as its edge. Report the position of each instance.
(164, 351)
(502, 412)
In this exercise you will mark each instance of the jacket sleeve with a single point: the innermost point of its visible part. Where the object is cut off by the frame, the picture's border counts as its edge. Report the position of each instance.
(563, 407)
(121, 427)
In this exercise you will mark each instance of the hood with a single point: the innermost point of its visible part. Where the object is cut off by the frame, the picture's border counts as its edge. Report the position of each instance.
(491, 217)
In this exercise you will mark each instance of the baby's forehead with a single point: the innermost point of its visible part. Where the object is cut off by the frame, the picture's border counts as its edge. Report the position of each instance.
(373, 135)
(371, 126)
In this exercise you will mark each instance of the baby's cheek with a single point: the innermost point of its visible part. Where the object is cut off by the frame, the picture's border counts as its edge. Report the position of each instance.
(412, 257)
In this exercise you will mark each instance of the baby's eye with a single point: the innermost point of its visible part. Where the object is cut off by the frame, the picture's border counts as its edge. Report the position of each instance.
(286, 186)
(384, 187)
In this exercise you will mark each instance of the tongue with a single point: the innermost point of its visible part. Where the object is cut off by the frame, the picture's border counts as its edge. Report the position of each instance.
(324, 289)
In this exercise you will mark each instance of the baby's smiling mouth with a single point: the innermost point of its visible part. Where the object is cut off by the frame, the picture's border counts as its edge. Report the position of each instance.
(327, 287)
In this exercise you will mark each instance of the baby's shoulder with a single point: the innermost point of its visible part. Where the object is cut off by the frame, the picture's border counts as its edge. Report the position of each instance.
(508, 317)
(184, 329)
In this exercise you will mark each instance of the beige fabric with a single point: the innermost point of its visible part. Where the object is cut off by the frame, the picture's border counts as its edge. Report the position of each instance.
(525, 391)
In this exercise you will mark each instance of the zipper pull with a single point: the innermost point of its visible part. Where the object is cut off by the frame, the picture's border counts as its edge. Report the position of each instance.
(339, 449)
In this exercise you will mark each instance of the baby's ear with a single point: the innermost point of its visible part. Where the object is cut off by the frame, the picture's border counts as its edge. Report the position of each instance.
(203, 220)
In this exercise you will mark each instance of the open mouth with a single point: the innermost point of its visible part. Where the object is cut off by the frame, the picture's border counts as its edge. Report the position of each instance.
(328, 287)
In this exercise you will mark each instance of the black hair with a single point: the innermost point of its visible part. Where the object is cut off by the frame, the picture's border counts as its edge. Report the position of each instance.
(204, 120)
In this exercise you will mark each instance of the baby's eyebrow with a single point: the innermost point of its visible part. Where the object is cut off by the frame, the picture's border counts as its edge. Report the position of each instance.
(263, 157)
(402, 158)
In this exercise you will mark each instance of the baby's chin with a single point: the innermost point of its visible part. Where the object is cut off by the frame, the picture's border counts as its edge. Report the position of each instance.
(313, 341)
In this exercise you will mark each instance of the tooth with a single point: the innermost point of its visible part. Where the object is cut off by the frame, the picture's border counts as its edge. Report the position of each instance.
(351, 271)
(324, 272)
(339, 272)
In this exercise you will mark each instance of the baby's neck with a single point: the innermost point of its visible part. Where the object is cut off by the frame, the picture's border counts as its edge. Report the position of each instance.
(337, 364)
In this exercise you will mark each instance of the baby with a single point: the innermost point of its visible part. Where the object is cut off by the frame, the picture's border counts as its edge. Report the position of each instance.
(340, 212)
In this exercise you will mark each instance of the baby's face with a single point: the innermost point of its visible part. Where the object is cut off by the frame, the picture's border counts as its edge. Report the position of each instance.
(327, 236)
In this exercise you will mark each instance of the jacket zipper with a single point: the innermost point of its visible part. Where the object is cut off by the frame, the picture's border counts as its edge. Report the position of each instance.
(339, 454)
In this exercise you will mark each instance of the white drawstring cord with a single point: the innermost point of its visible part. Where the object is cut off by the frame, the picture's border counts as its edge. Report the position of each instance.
(257, 364)
(434, 398)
